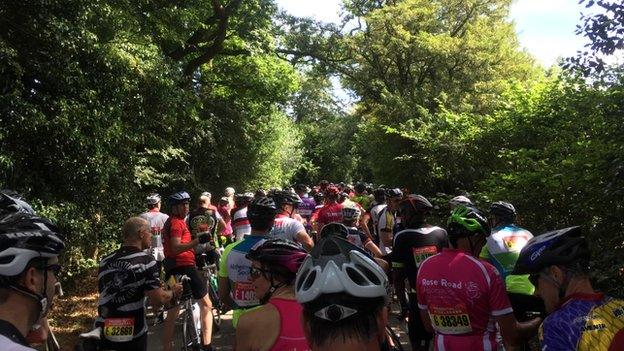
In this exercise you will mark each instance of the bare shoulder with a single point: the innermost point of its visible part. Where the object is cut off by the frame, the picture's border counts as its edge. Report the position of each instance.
(260, 327)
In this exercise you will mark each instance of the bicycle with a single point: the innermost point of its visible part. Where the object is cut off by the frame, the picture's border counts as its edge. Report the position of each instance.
(210, 274)
(392, 342)
(191, 328)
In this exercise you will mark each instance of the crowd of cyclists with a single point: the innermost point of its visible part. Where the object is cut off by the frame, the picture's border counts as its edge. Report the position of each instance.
(316, 269)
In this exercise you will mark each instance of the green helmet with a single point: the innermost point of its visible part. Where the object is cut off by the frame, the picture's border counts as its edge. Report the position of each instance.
(466, 222)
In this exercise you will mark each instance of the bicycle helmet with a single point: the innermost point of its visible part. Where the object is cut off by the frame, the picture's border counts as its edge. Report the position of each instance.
(334, 228)
(360, 187)
(337, 266)
(152, 199)
(242, 199)
(466, 222)
(503, 210)
(302, 188)
(24, 237)
(380, 195)
(10, 202)
(350, 211)
(229, 191)
(394, 193)
(283, 197)
(417, 203)
(179, 197)
(332, 191)
(460, 200)
(558, 247)
(318, 198)
(261, 213)
(281, 253)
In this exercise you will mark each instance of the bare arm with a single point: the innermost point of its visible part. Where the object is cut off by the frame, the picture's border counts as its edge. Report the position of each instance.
(244, 333)
(304, 239)
(424, 317)
(160, 296)
(399, 285)
(370, 246)
(177, 247)
(514, 332)
(386, 237)
(364, 224)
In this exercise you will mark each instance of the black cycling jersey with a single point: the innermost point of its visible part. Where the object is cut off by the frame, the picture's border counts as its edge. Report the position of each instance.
(124, 277)
(412, 246)
(10, 332)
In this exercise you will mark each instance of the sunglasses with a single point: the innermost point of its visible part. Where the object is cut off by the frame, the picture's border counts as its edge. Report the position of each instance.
(256, 272)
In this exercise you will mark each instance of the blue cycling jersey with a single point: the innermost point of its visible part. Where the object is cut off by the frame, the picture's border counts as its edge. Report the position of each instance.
(585, 322)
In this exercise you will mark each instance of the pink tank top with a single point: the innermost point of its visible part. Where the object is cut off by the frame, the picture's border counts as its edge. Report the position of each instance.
(291, 336)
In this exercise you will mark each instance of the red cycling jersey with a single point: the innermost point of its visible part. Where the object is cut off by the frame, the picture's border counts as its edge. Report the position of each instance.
(462, 295)
(179, 229)
(327, 214)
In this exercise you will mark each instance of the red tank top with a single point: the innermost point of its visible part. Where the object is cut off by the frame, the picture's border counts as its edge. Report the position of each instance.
(291, 336)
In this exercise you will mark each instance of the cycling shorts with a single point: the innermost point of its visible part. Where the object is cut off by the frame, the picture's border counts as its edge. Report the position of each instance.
(198, 285)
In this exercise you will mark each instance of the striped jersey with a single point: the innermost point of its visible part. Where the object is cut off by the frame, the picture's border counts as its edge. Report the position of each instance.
(123, 278)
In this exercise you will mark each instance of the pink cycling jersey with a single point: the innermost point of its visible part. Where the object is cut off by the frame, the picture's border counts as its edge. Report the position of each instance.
(291, 336)
(462, 295)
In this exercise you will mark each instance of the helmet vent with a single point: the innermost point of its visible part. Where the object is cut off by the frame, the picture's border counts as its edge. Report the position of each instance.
(309, 280)
(370, 275)
(356, 277)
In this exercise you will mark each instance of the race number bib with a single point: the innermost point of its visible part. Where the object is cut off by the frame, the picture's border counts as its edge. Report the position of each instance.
(422, 253)
(244, 294)
(450, 320)
(119, 329)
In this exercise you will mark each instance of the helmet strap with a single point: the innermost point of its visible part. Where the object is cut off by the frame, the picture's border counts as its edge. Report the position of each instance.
(264, 299)
(42, 300)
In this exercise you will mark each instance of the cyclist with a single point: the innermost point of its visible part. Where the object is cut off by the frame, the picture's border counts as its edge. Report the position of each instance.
(307, 206)
(344, 297)
(29, 250)
(361, 197)
(205, 207)
(378, 206)
(235, 289)
(331, 210)
(502, 250)
(126, 278)
(277, 324)
(350, 218)
(224, 210)
(580, 318)
(229, 194)
(286, 227)
(240, 223)
(460, 297)
(387, 219)
(156, 220)
(412, 246)
(180, 260)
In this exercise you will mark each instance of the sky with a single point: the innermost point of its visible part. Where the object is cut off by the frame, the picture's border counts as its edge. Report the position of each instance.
(545, 27)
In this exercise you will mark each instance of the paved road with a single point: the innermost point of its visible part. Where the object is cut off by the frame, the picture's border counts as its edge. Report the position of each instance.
(224, 338)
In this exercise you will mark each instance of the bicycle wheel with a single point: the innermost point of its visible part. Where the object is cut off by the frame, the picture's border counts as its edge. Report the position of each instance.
(396, 341)
(190, 334)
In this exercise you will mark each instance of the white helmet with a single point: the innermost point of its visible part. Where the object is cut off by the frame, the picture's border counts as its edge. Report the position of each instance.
(229, 191)
(460, 200)
(337, 266)
(350, 211)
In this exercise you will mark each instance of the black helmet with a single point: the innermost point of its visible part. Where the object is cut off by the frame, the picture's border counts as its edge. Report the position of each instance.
(261, 213)
(393, 193)
(11, 201)
(466, 222)
(360, 187)
(379, 194)
(334, 228)
(302, 188)
(412, 205)
(243, 198)
(503, 210)
(558, 247)
(318, 197)
(179, 197)
(282, 197)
